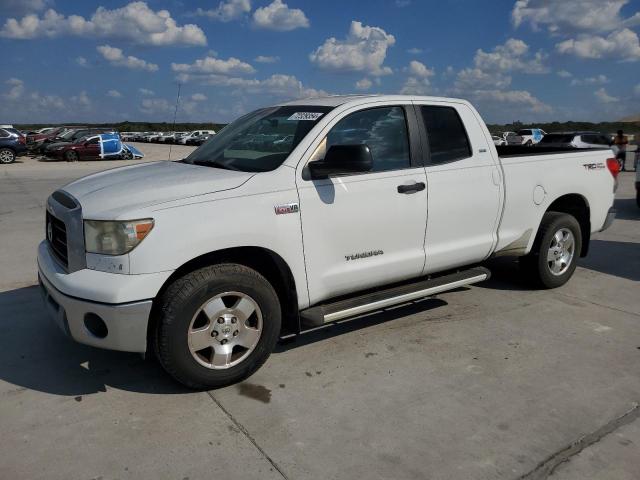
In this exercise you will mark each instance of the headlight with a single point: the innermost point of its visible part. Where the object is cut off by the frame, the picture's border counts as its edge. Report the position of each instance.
(115, 238)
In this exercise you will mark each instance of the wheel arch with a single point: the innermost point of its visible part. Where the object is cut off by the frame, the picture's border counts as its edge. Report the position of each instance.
(578, 206)
(266, 262)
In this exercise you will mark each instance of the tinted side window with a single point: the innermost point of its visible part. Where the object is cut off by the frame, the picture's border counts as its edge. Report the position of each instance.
(94, 141)
(448, 140)
(3, 133)
(383, 130)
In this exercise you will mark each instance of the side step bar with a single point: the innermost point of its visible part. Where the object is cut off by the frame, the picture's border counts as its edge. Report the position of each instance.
(332, 312)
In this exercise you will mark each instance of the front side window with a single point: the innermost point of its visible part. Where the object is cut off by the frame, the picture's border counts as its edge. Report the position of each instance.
(383, 130)
(260, 141)
(448, 140)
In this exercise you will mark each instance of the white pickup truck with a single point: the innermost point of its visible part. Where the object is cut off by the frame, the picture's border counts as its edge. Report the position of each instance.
(306, 213)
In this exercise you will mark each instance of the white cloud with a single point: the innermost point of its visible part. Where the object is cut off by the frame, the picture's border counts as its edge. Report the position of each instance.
(82, 99)
(363, 50)
(114, 94)
(16, 89)
(155, 105)
(116, 57)
(227, 10)
(564, 74)
(418, 69)
(146, 92)
(364, 84)
(623, 45)
(636, 90)
(512, 56)
(473, 78)
(218, 66)
(266, 59)
(198, 97)
(597, 80)
(135, 22)
(418, 82)
(521, 98)
(573, 15)
(278, 16)
(403, 3)
(603, 97)
(414, 51)
(281, 85)
(82, 61)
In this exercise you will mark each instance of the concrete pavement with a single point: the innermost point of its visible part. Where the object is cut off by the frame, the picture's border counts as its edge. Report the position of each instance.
(496, 381)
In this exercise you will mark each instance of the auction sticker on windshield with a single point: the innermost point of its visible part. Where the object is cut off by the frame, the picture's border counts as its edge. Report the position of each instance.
(305, 116)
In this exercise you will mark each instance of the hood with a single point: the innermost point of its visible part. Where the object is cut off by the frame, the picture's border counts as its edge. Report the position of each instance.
(113, 193)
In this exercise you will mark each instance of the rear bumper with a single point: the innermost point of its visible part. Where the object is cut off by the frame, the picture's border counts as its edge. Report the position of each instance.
(611, 215)
(115, 327)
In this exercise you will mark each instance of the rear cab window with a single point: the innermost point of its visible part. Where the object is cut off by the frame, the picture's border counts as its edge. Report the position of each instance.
(446, 134)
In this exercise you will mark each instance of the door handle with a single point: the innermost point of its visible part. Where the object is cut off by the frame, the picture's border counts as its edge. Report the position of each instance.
(412, 188)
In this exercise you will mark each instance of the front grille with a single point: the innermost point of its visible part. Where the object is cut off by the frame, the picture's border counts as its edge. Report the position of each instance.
(56, 234)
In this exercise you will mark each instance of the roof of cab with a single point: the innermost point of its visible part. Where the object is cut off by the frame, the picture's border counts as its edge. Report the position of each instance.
(336, 100)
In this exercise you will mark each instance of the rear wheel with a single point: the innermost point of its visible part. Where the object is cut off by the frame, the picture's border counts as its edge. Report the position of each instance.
(7, 155)
(218, 325)
(555, 251)
(71, 156)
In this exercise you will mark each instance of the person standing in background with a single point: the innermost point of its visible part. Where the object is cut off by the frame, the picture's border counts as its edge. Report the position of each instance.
(621, 141)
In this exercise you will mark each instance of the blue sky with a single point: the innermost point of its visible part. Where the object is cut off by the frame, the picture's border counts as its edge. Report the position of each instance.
(528, 60)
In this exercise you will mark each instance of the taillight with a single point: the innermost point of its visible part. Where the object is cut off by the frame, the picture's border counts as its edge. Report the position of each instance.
(613, 166)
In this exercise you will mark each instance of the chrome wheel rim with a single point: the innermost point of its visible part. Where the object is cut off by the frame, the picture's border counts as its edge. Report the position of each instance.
(225, 330)
(561, 251)
(6, 156)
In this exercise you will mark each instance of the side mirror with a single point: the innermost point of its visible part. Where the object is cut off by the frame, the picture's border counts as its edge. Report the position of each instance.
(341, 160)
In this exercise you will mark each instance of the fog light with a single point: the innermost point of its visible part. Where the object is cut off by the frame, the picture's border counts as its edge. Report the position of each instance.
(95, 325)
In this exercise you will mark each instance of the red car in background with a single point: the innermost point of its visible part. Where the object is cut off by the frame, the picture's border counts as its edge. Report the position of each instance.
(85, 148)
(34, 140)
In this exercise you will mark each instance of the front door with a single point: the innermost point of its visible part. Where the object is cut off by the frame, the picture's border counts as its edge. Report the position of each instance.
(366, 229)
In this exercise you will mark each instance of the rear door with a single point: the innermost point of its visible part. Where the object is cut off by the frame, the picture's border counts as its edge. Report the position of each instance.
(464, 185)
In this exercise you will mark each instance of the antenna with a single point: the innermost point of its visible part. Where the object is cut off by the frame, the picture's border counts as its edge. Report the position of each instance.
(175, 114)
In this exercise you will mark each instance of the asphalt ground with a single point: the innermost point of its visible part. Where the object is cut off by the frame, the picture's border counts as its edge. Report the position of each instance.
(495, 381)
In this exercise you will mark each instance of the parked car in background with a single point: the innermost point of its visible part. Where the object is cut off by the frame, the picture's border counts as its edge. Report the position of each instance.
(637, 183)
(90, 148)
(128, 136)
(72, 137)
(197, 141)
(11, 146)
(575, 140)
(195, 133)
(34, 140)
(498, 141)
(511, 138)
(531, 136)
(174, 137)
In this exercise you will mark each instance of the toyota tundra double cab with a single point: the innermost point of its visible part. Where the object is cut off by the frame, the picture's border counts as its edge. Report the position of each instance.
(303, 214)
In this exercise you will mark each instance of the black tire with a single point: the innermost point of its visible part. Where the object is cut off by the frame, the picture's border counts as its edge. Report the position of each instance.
(7, 156)
(71, 156)
(535, 264)
(127, 155)
(182, 300)
(528, 144)
(638, 197)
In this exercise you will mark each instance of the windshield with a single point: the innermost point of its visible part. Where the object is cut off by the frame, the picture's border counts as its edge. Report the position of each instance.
(260, 141)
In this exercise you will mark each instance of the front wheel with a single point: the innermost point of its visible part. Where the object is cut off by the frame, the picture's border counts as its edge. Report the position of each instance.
(555, 251)
(217, 326)
(7, 156)
(71, 156)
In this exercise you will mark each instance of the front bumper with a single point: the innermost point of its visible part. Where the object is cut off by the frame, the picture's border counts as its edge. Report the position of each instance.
(122, 302)
(611, 215)
(111, 326)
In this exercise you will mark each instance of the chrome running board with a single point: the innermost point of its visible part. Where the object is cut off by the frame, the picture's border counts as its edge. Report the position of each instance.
(378, 300)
